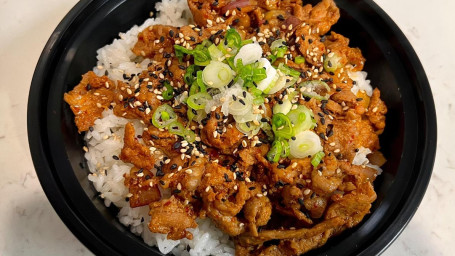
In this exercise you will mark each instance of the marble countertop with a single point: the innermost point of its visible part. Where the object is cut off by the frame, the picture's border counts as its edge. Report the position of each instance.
(30, 226)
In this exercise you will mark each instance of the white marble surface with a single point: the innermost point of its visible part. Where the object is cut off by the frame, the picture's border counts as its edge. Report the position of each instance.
(29, 225)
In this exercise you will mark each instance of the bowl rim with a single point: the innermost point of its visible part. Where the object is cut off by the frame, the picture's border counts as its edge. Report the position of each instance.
(42, 158)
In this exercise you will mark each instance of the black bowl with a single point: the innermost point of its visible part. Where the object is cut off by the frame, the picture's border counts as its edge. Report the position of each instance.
(409, 141)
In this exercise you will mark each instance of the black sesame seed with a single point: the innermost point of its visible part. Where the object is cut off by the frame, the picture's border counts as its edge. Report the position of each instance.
(281, 166)
(310, 41)
(88, 87)
(252, 188)
(226, 178)
(177, 145)
(234, 97)
(162, 182)
(263, 119)
(91, 129)
(241, 101)
(161, 39)
(115, 157)
(280, 17)
(127, 199)
(301, 202)
(359, 99)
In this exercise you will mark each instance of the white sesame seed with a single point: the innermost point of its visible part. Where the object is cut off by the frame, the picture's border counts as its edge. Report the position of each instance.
(337, 150)
(207, 189)
(307, 191)
(179, 186)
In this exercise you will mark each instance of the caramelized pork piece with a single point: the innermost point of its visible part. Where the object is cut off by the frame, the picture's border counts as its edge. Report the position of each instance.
(257, 211)
(212, 134)
(138, 184)
(350, 133)
(89, 99)
(339, 45)
(376, 111)
(134, 152)
(171, 217)
(162, 140)
(154, 38)
(323, 15)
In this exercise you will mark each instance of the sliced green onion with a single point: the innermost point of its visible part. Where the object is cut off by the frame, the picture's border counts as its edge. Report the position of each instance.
(258, 100)
(275, 151)
(169, 92)
(288, 71)
(250, 74)
(200, 54)
(196, 115)
(283, 108)
(277, 84)
(180, 51)
(286, 148)
(199, 100)
(200, 82)
(217, 74)
(315, 89)
(242, 104)
(248, 128)
(215, 53)
(189, 136)
(317, 159)
(299, 60)
(163, 116)
(306, 143)
(176, 128)
(302, 118)
(190, 74)
(331, 64)
(233, 39)
(282, 126)
(201, 57)
(271, 73)
(249, 53)
(278, 48)
(267, 129)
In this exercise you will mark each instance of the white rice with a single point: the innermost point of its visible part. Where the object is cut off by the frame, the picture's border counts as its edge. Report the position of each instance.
(106, 141)
(362, 84)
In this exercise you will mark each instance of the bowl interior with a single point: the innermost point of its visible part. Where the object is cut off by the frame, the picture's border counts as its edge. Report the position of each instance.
(97, 23)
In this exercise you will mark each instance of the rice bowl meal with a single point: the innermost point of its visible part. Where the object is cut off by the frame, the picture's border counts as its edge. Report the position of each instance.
(232, 127)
